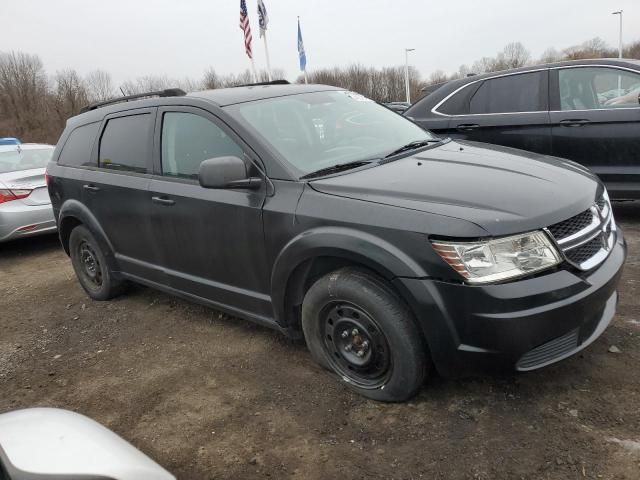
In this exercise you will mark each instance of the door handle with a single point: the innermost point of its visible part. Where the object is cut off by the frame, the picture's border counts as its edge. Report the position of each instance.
(162, 201)
(91, 188)
(574, 123)
(467, 127)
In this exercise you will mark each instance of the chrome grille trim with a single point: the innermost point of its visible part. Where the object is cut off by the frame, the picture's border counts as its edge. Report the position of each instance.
(602, 226)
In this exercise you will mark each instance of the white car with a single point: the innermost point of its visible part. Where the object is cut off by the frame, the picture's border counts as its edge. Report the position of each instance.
(48, 443)
(25, 207)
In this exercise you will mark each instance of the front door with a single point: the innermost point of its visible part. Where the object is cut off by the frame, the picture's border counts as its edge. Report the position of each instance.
(212, 240)
(596, 122)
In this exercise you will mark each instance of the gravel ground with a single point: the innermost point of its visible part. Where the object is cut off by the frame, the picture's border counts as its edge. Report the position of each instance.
(209, 396)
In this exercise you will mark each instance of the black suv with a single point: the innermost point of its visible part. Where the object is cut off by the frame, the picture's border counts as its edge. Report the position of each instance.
(328, 217)
(587, 111)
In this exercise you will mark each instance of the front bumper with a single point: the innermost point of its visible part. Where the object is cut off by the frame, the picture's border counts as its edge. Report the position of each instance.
(520, 325)
(20, 220)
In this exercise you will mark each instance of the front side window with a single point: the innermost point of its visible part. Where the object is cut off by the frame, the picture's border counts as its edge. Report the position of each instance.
(509, 94)
(125, 143)
(316, 130)
(19, 158)
(188, 140)
(588, 88)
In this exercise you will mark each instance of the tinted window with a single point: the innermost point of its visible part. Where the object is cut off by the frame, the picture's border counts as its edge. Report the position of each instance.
(513, 93)
(458, 104)
(188, 140)
(597, 87)
(125, 143)
(77, 149)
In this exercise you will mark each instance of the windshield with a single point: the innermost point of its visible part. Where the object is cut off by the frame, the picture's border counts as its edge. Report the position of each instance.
(317, 130)
(24, 159)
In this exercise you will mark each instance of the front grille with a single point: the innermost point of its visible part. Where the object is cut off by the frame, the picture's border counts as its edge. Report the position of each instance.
(571, 226)
(584, 252)
(549, 352)
(587, 238)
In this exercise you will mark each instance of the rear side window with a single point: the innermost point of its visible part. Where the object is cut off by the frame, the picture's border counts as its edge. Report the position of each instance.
(513, 93)
(77, 149)
(188, 140)
(125, 143)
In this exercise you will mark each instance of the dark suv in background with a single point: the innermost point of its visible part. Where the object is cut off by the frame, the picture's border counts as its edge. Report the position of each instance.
(587, 111)
(319, 213)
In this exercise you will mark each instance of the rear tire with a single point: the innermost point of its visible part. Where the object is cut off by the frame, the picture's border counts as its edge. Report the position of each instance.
(91, 266)
(356, 326)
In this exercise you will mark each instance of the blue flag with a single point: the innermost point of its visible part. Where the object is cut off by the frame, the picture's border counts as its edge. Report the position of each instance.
(301, 54)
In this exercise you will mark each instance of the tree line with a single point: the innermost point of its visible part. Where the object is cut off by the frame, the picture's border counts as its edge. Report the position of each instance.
(35, 105)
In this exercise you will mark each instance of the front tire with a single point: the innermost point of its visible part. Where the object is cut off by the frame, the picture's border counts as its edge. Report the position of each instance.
(91, 266)
(357, 327)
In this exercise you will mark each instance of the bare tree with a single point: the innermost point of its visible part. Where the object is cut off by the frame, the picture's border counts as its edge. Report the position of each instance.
(515, 55)
(70, 93)
(99, 86)
(594, 48)
(211, 80)
(23, 96)
(550, 55)
(147, 83)
(632, 50)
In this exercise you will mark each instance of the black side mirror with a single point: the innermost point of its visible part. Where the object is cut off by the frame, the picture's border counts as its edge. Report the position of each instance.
(226, 172)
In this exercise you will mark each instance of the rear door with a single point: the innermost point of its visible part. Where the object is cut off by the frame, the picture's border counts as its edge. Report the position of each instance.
(116, 192)
(596, 122)
(211, 240)
(509, 110)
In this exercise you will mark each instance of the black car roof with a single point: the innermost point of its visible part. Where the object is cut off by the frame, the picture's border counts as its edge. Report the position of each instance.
(220, 97)
(228, 96)
(446, 88)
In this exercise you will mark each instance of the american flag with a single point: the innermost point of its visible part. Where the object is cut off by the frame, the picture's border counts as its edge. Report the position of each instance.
(246, 28)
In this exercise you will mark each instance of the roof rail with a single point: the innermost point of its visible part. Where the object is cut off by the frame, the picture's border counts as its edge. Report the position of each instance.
(169, 92)
(272, 82)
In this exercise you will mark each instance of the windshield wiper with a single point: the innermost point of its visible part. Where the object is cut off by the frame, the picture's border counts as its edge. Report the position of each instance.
(411, 146)
(340, 167)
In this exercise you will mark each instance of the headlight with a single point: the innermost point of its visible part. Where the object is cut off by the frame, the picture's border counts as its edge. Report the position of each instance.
(500, 259)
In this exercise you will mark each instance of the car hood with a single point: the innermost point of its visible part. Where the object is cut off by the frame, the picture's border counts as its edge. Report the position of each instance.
(500, 189)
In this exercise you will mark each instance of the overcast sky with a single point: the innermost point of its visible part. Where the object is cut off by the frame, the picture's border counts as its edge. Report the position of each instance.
(182, 38)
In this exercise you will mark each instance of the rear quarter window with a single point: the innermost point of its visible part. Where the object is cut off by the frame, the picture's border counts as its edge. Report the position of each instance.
(458, 104)
(77, 149)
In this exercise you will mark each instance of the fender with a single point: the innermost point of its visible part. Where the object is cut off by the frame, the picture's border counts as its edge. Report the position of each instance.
(355, 245)
(78, 211)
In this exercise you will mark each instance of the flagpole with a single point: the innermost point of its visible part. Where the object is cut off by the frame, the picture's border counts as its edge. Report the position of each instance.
(266, 51)
(253, 67)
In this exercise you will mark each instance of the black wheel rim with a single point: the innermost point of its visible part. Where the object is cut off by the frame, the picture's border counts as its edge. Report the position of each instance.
(90, 265)
(355, 345)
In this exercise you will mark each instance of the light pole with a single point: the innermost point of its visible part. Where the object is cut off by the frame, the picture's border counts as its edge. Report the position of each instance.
(406, 72)
(619, 12)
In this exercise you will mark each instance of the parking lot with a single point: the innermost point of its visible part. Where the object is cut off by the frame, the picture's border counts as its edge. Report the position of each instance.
(209, 396)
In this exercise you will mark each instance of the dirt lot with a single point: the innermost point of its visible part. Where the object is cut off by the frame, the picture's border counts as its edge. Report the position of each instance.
(215, 397)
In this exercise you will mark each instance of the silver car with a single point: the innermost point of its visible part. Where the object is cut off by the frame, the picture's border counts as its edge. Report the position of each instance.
(25, 207)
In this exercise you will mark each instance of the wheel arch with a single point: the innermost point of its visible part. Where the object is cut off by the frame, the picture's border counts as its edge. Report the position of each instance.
(72, 214)
(314, 253)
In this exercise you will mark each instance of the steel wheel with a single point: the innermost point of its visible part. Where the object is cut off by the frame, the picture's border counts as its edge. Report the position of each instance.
(90, 264)
(355, 345)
